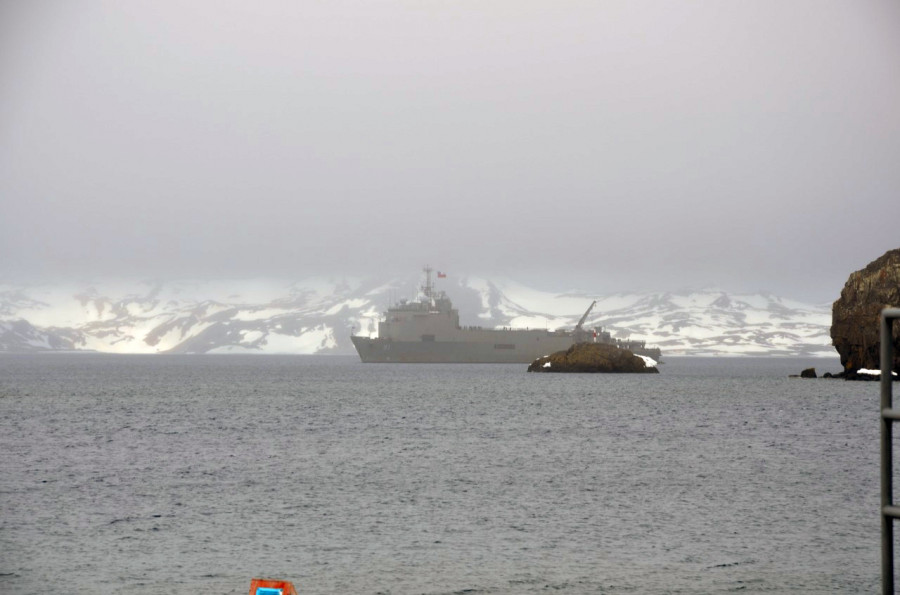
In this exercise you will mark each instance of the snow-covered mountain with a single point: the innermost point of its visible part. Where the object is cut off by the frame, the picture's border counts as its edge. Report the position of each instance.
(318, 315)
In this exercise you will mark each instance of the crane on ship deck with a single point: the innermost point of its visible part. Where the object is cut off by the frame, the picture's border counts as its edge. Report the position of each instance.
(578, 332)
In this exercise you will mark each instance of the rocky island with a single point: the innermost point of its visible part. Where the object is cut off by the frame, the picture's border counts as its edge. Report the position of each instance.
(593, 358)
(855, 316)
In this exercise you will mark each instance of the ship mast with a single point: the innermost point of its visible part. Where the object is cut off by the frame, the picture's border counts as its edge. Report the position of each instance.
(428, 288)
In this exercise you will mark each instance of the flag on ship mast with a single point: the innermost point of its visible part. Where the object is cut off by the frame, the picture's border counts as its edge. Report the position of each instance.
(441, 275)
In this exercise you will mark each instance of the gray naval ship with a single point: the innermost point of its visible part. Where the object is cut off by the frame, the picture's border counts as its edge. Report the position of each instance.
(427, 331)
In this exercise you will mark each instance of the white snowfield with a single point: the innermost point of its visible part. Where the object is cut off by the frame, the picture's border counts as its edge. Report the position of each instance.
(318, 315)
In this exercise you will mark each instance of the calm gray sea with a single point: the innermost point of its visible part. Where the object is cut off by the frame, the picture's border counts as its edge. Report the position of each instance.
(190, 474)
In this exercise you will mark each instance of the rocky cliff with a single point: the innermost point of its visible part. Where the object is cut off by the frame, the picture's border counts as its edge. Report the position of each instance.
(855, 315)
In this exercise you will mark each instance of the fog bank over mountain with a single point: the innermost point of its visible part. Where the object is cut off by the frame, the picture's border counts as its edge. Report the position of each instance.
(621, 146)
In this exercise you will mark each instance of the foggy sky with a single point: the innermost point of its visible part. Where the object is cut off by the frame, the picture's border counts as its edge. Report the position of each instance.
(608, 146)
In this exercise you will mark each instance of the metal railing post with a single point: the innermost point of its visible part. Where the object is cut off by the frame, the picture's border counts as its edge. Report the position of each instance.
(888, 511)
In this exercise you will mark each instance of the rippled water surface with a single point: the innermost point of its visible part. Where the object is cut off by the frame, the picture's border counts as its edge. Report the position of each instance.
(165, 474)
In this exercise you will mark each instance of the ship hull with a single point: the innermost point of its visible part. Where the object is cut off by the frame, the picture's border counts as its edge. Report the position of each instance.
(523, 351)
(454, 352)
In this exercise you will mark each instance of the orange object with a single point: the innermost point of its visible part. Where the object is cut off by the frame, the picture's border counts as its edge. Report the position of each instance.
(265, 586)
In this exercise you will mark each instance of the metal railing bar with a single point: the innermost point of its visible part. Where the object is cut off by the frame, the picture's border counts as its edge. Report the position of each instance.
(888, 511)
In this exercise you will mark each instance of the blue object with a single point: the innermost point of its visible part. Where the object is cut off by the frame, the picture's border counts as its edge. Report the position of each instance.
(268, 591)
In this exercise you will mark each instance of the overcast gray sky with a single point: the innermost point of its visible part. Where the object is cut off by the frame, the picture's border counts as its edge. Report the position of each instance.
(601, 145)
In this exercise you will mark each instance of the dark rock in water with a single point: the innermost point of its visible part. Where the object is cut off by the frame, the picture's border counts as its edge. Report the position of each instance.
(855, 375)
(855, 316)
(808, 373)
(592, 358)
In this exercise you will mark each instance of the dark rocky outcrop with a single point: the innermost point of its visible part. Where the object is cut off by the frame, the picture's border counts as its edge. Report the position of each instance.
(855, 315)
(592, 358)
(808, 373)
(854, 375)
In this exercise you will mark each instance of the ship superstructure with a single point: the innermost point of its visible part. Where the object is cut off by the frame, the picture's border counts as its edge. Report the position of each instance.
(428, 330)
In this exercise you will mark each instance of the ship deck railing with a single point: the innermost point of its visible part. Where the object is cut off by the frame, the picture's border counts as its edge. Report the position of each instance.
(889, 511)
